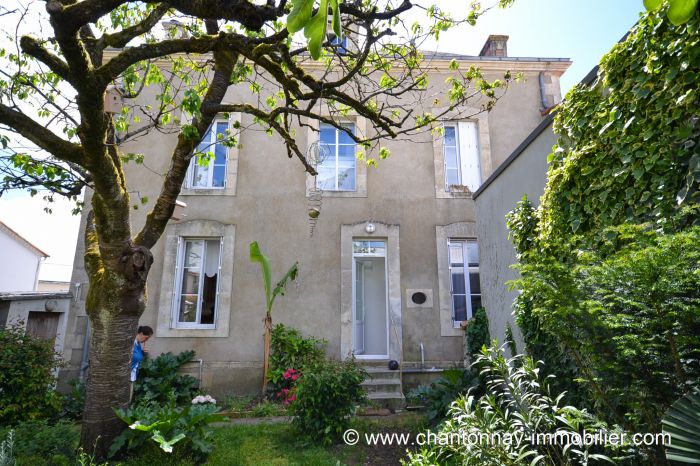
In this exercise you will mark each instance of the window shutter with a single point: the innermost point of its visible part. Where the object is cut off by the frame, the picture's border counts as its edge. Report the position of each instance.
(469, 154)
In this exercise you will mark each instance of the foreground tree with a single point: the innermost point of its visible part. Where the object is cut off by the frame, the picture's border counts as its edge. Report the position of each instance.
(54, 81)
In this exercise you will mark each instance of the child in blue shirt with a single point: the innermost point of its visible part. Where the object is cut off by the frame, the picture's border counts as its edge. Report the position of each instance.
(140, 350)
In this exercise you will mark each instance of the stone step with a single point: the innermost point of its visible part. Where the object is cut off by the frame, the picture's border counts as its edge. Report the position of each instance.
(383, 374)
(382, 385)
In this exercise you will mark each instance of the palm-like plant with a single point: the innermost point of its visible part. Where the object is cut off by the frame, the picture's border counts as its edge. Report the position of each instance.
(270, 295)
(681, 423)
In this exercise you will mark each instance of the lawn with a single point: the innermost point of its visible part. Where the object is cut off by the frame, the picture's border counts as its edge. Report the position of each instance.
(276, 444)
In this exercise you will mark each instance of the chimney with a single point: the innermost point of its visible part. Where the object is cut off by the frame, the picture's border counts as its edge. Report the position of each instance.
(495, 46)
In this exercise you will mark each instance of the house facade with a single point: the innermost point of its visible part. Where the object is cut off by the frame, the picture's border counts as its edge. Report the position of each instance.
(388, 255)
(21, 261)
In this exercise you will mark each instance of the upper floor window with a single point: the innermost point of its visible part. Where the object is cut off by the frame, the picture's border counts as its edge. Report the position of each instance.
(197, 282)
(337, 163)
(208, 170)
(464, 277)
(461, 150)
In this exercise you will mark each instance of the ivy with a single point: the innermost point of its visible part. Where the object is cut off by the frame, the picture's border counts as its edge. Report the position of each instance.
(628, 147)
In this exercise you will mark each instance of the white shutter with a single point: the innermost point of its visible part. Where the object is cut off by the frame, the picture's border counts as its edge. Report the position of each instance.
(469, 155)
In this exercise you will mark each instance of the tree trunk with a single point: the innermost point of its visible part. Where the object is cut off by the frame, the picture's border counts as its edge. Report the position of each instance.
(116, 299)
(266, 354)
(108, 380)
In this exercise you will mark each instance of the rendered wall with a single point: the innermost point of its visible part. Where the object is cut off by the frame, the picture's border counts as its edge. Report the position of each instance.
(18, 265)
(525, 175)
(270, 206)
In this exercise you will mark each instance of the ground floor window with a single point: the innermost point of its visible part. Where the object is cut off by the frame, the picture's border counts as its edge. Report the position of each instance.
(465, 290)
(197, 282)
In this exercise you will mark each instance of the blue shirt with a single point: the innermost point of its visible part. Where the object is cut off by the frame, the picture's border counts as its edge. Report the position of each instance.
(137, 356)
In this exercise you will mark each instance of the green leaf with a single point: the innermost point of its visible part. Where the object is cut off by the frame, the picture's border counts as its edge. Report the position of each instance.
(257, 256)
(337, 27)
(300, 15)
(315, 30)
(652, 4)
(681, 423)
(680, 11)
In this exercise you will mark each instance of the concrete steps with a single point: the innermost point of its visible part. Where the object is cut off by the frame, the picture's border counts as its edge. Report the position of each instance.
(382, 385)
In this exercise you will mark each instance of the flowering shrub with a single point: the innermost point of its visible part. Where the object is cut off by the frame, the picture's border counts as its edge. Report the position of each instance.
(202, 399)
(287, 391)
(290, 351)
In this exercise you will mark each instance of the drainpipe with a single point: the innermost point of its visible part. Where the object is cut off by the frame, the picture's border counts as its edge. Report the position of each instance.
(543, 98)
(422, 355)
(201, 364)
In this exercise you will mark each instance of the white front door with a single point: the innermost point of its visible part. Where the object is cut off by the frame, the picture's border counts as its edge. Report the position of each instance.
(370, 305)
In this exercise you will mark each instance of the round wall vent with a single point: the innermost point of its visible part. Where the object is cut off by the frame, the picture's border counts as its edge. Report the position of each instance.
(418, 297)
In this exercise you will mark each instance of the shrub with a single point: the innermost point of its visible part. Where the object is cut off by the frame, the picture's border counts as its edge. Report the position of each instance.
(517, 404)
(438, 396)
(27, 368)
(290, 350)
(74, 402)
(327, 394)
(37, 442)
(7, 454)
(179, 430)
(476, 335)
(159, 379)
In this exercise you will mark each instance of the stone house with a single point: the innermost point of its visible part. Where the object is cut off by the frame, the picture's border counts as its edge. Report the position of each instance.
(383, 274)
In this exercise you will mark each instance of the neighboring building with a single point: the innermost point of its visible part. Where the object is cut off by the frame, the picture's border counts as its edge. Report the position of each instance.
(524, 172)
(21, 261)
(392, 267)
(43, 315)
(53, 285)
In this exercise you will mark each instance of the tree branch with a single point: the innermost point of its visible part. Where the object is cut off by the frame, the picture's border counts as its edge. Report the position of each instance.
(41, 136)
(33, 48)
(120, 39)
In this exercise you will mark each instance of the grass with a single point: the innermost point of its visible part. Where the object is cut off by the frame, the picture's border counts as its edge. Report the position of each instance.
(277, 445)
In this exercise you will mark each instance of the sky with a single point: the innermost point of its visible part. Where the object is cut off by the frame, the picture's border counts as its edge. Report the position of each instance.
(582, 31)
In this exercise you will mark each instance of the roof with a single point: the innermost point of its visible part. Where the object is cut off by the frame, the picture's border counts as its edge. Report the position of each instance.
(457, 56)
(29, 295)
(23, 241)
(544, 124)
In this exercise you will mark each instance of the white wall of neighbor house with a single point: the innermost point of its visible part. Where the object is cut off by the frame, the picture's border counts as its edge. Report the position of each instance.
(270, 205)
(526, 175)
(19, 266)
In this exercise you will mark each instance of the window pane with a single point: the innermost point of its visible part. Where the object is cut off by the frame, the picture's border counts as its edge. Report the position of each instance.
(474, 286)
(219, 176)
(450, 138)
(343, 137)
(451, 159)
(188, 308)
(326, 155)
(327, 134)
(452, 177)
(190, 281)
(346, 179)
(459, 303)
(472, 253)
(476, 302)
(200, 176)
(326, 177)
(360, 247)
(193, 253)
(347, 154)
(458, 280)
(456, 256)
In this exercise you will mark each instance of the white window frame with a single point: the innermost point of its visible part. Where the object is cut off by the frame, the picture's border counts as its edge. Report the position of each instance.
(468, 154)
(466, 273)
(181, 245)
(211, 132)
(336, 156)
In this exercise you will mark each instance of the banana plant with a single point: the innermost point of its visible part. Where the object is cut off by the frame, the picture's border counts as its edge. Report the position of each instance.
(270, 295)
(681, 423)
(314, 25)
(679, 11)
